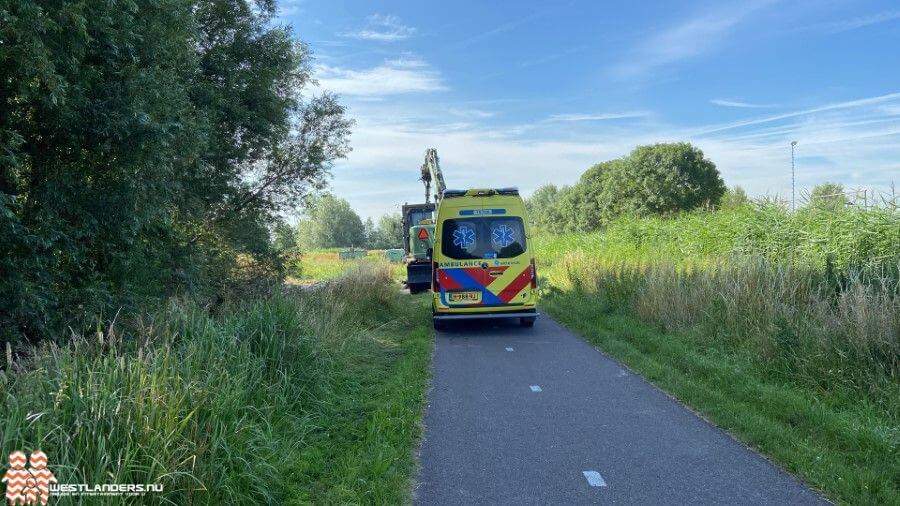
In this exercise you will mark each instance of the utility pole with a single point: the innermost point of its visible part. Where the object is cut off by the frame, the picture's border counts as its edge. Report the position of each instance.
(793, 178)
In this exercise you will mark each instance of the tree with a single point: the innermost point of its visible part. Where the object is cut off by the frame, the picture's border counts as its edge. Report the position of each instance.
(658, 179)
(543, 207)
(95, 121)
(370, 233)
(569, 212)
(734, 198)
(599, 196)
(330, 222)
(668, 178)
(827, 197)
(145, 143)
(389, 233)
(285, 238)
(268, 146)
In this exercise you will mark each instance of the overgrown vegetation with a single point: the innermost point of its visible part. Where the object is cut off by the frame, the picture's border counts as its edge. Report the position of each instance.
(147, 148)
(782, 327)
(306, 396)
(830, 241)
(324, 264)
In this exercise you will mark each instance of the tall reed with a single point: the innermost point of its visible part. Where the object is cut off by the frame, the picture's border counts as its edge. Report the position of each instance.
(813, 296)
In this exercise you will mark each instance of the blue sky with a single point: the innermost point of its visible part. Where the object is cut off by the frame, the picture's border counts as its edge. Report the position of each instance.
(526, 93)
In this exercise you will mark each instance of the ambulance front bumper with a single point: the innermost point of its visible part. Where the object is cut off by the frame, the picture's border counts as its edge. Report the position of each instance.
(477, 316)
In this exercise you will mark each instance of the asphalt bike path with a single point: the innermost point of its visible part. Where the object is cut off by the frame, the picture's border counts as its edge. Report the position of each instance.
(538, 416)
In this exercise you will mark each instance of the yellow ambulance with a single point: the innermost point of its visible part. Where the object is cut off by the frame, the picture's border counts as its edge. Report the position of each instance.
(483, 266)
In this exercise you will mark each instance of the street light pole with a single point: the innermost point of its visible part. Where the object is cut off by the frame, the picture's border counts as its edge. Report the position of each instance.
(793, 177)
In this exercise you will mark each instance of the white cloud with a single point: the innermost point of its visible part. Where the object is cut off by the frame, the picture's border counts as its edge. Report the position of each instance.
(470, 113)
(836, 141)
(505, 27)
(688, 39)
(597, 117)
(393, 77)
(739, 104)
(858, 22)
(850, 104)
(407, 61)
(382, 28)
(289, 7)
(468, 157)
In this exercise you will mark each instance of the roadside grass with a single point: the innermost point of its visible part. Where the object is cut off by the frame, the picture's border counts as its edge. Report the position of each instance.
(783, 329)
(309, 396)
(366, 455)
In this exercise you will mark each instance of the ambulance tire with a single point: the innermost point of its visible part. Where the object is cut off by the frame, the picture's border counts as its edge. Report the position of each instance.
(527, 321)
(439, 324)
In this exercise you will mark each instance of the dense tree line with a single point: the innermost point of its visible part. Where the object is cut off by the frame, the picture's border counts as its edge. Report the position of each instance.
(660, 179)
(387, 233)
(146, 146)
(330, 222)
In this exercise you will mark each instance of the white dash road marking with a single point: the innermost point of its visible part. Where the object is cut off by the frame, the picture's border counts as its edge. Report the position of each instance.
(594, 479)
(509, 349)
(535, 388)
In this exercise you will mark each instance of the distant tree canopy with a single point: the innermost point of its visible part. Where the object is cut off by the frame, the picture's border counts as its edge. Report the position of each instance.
(827, 196)
(144, 145)
(659, 179)
(387, 234)
(330, 222)
(734, 198)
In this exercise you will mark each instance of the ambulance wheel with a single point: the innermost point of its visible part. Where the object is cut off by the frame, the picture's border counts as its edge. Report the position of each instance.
(527, 321)
(439, 324)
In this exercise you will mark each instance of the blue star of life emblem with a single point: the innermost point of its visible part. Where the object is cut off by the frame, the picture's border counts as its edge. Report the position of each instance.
(503, 236)
(463, 237)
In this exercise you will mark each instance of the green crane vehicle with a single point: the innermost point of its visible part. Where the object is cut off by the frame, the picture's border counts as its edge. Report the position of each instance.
(418, 226)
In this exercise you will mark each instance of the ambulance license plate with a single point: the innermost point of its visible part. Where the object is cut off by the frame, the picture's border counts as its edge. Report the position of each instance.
(465, 297)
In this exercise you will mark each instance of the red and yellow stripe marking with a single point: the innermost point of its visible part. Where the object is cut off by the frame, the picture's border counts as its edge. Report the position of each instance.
(504, 288)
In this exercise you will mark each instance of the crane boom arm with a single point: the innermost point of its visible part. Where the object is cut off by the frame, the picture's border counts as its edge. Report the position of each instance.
(431, 174)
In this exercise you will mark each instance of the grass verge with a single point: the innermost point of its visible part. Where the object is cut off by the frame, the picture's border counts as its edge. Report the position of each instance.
(312, 396)
(364, 454)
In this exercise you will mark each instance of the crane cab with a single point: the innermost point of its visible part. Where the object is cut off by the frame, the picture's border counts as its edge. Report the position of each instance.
(483, 264)
(418, 233)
